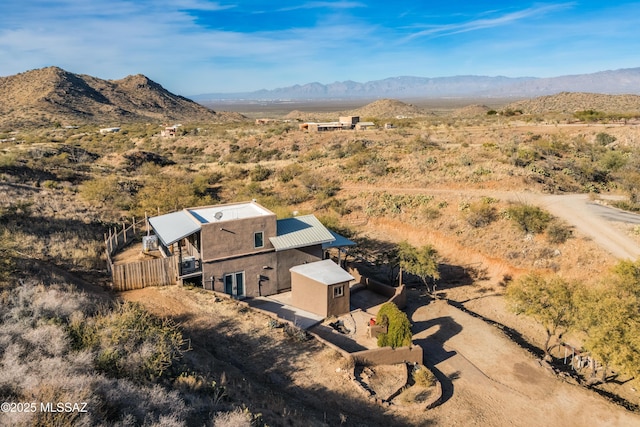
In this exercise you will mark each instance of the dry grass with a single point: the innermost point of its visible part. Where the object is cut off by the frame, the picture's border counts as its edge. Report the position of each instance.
(407, 183)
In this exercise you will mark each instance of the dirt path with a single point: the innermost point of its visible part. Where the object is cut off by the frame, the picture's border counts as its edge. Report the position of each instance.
(589, 218)
(489, 380)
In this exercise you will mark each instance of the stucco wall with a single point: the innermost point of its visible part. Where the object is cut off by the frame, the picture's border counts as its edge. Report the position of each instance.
(389, 356)
(397, 295)
(291, 258)
(308, 294)
(317, 297)
(339, 305)
(236, 237)
(252, 265)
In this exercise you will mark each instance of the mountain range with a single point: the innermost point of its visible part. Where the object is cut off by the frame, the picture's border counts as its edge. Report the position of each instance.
(52, 95)
(623, 81)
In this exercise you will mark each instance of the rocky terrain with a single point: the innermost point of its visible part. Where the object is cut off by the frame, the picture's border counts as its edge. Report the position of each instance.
(52, 95)
(571, 102)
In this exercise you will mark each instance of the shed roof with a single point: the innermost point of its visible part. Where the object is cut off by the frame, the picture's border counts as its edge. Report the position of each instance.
(300, 231)
(174, 226)
(326, 272)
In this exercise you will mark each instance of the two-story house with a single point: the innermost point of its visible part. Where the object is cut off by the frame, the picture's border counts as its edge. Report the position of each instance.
(240, 249)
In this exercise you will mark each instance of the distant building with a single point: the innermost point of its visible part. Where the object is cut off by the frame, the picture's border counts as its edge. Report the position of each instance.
(109, 130)
(170, 131)
(365, 125)
(343, 123)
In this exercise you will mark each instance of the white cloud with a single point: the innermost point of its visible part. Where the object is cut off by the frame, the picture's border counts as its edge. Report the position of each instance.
(484, 23)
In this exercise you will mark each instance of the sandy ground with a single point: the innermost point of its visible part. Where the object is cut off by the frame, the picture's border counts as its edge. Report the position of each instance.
(487, 379)
(490, 381)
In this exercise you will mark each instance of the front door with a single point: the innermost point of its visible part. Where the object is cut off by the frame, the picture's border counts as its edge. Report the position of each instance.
(234, 284)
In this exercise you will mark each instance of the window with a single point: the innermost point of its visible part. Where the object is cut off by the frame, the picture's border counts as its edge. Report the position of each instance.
(258, 239)
(338, 291)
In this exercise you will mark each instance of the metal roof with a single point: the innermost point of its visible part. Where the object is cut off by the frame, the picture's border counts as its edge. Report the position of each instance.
(300, 231)
(339, 242)
(326, 272)
(174, 226)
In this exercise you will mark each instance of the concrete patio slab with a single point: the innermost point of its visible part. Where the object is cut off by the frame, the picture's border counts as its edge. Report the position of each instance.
(280, 304)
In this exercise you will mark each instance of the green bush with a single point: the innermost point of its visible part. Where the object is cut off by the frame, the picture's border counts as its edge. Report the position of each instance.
(260, 173)
(398, 327)
(603, 138)
(529, 218)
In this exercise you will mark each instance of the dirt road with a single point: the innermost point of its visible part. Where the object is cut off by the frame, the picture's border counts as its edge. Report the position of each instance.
(490, 381)
(589, 218)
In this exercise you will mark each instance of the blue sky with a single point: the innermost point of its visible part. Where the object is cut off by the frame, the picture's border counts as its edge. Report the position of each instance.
(199, 46)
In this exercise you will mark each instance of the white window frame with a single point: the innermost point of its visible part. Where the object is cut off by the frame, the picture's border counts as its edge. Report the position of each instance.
(338, 291)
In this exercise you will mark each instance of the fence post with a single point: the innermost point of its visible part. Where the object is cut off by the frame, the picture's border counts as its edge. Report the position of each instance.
(124, 232)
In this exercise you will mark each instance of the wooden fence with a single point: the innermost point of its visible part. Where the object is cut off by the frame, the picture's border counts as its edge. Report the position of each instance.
(119, 238)
(138, 275)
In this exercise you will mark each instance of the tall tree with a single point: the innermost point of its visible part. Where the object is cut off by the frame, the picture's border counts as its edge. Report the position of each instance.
(550, 302)
(422, 262)
(610, 316)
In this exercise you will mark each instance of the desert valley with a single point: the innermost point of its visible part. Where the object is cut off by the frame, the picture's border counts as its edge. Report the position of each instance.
(508, 227)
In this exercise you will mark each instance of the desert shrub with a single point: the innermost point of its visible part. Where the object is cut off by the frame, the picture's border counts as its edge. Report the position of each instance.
(351, 148)
(289, 172)
(529, 218)
(378, 167)
(260, 173)
(319, 184)
(236, 418)
(111, 191)
(626, 205)
(480, 214)
(7, 255)
(333, 223)
(423, 377)
(590, 115)
(235, 172)
(524, 156)
(393, 204)
(170, 192)
(295, 194)
(40, 362)
(613, 161)
(398, 326)
(8, 160)
(604, 138)
(129, 342)
(558, 232)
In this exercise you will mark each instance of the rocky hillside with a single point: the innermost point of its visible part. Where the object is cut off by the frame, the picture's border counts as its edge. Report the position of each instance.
(388, 108)
(570, 102)
(52, 95)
